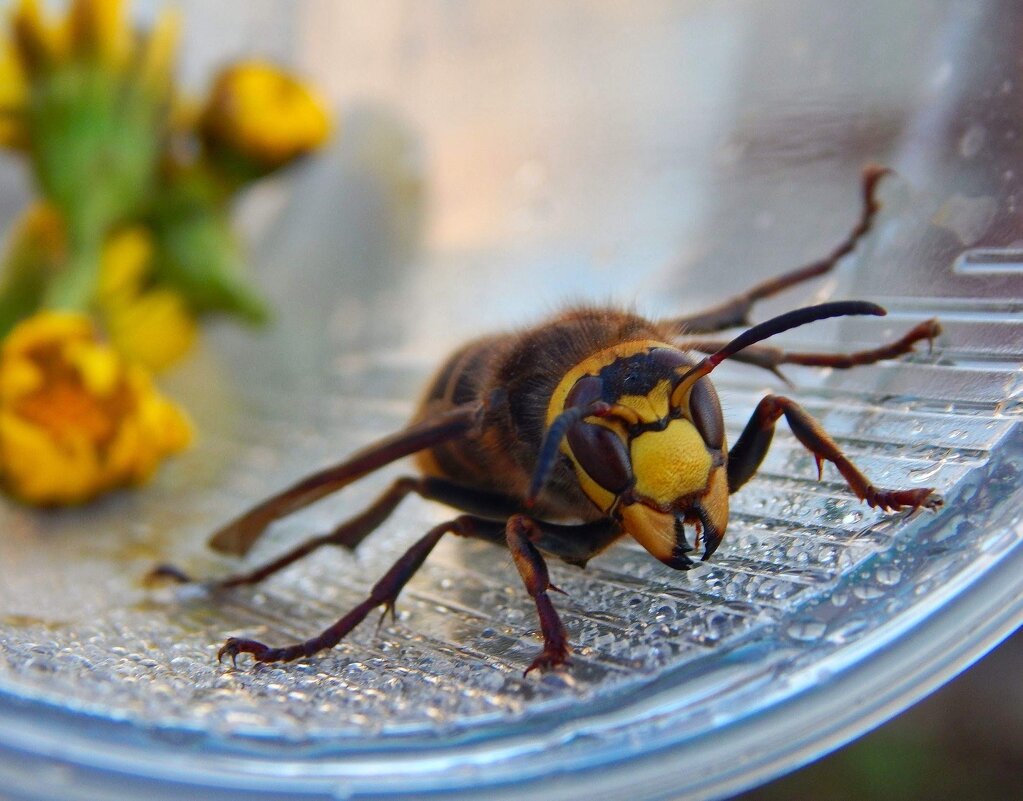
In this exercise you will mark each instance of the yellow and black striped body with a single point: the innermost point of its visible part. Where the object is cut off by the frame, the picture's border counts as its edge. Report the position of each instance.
(514, 375)
(523, 381)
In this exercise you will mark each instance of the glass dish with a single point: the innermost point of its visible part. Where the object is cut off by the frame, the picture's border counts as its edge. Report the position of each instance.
(494, 164)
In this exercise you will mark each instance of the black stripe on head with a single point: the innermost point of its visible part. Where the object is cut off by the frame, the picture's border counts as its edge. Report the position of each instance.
(640, 373)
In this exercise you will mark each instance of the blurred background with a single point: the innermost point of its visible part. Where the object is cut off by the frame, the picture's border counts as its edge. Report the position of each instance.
(492, 162)
(964, 741)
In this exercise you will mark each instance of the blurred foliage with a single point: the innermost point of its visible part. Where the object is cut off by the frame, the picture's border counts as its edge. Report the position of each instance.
(91, 103)
(136, 182)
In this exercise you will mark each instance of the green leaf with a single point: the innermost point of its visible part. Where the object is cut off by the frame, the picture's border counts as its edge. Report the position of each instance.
(198, 254)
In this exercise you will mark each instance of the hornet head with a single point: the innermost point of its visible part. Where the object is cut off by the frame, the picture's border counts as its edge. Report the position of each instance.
(652, 461)
(641, 425)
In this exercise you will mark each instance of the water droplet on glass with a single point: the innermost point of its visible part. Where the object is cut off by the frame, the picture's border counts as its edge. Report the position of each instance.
(806, 630)
(848, 631)
(665, 610)
(867, 592)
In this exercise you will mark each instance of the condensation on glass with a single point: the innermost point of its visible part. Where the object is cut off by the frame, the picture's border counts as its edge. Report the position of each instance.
(494, 163)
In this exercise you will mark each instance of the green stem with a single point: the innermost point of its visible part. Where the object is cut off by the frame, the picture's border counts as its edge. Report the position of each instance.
(74, 287)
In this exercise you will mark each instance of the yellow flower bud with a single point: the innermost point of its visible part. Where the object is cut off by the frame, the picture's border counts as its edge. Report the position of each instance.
(76, 419)
(13, 95)
(159, 51)
(260, 112)
(41, 44)
(124, 263)
(155, 329)
(152, 326)
(98, 30)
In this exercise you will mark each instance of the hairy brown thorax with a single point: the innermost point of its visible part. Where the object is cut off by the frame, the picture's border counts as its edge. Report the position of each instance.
(514, 375)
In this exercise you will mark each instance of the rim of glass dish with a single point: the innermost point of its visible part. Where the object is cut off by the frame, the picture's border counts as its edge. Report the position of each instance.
(857, 687)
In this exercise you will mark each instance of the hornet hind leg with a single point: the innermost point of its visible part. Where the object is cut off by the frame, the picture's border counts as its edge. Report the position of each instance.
(352, 532)
(384, 593)
(734, 312)
(524, 538)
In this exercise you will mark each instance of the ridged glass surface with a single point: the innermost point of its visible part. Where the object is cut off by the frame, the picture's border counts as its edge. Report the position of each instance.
(491, 168)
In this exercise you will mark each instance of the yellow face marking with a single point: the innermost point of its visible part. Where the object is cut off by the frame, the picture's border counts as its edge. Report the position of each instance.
(592, 366)
(650, 407)
(654, 530)
(715, 502)
(670, 464)
(602, 498)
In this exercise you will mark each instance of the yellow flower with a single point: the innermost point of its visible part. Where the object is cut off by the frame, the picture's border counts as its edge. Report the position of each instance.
(12, 99)
(260, 112)
(98, 30)
(92, 30)
(41, 42)
(76, 419)
(149, 325)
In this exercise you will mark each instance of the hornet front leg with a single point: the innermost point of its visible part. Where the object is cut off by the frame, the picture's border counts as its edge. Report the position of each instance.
(521, 532)
(749, 450)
